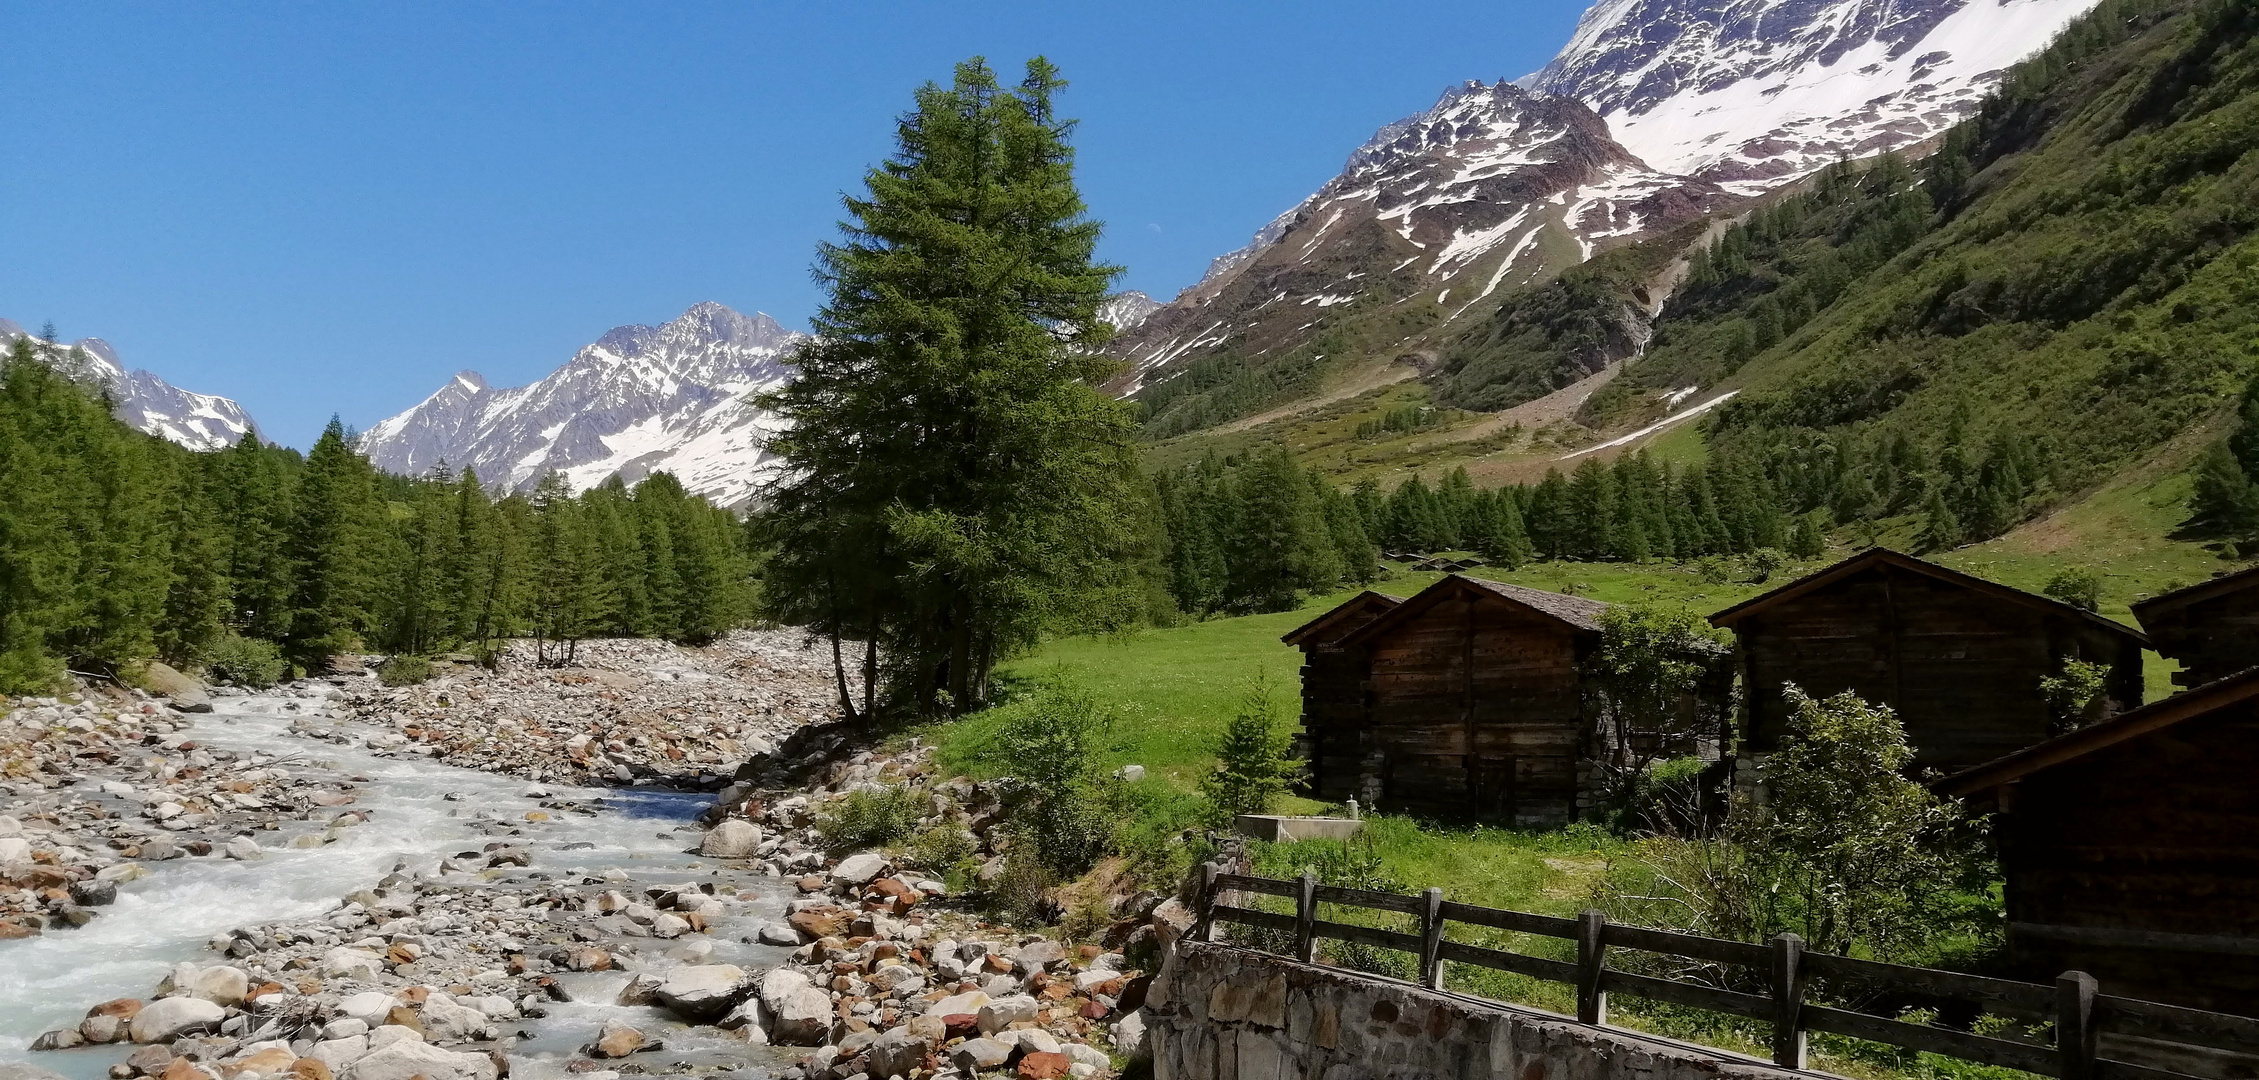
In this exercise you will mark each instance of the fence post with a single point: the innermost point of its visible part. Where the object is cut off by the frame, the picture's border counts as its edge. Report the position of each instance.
(1592, 958)
(1788, 1001)
(1206, 916)
(1306, 918)
(1431, 939)
(2074, 1024)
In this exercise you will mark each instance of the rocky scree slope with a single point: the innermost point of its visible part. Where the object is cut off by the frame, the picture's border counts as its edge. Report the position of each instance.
(142, 400)
(639, 400)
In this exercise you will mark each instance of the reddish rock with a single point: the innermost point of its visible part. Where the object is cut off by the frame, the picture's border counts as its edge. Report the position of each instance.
(310, 1069)
(818, 922)
(960, 1026)
(812, 883)
(1042, 1066)
(1092, 1010)
(122, 1008)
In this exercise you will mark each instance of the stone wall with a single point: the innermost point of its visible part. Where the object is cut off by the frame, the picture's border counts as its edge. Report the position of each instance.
(1221, 1013)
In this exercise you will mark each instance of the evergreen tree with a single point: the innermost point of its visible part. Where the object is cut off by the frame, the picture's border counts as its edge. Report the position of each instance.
(952, 479)
(331, 547)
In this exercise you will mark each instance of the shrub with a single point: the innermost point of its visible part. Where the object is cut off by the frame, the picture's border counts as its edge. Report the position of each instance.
(2077, 695)
(406, 669)
(942, 849)
(870, 817)
(2077, 586)
(1057, 802)
(235, 660)
(1253, 767)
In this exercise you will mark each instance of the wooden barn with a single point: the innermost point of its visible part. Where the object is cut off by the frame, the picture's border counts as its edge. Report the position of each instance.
(1333, 694)
(2211, 628)
(1474, 701)
(2131, 849)
(1959, 658)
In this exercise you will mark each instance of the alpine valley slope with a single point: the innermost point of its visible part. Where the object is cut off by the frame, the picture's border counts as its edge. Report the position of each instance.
(140, 399)
(641, 399)
(1657, 115)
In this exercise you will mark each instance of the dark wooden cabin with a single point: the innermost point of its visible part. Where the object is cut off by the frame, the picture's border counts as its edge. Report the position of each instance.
(1475, 702)
(2131, 849)
(2212, 628)
(1333, 694)
(1959, 658)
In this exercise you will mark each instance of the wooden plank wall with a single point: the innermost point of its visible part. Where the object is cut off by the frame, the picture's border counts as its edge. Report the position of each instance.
(1475, 706)
(1961, 668)
(2212, 638)
(1333, 715)
(2159, 834)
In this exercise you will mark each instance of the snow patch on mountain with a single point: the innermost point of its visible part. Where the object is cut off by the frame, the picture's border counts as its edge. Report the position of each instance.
(1124, 311)
(1753, 93)
(641, 399)
(140, 399)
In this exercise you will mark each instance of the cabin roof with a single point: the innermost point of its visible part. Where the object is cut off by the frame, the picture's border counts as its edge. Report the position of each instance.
(2201, 591)
(2095, 738)
(1878, 556)
(1573, 611)
(1339, 614)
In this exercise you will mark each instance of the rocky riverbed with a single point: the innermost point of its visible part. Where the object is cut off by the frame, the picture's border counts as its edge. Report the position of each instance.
(340, 901)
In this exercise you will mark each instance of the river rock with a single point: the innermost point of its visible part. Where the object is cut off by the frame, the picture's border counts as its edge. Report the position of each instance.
(14, 851)
(1044, 1065)
(341, 1052)
(166, 1020)
(798, 1013)
(618, 1040)
(370, 1008)
(186, 694)
(225, 985)
(246, 849)
(732, 839)
(1004, 1012)
(409, 1058)
(669, 925)
(896, 1053)
(445, 1020)
(976, 1055)
(101, 1029)
(348, 963)
(859, 869)
(778, 933)
(704, 992)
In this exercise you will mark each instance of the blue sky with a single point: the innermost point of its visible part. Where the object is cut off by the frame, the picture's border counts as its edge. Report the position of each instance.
(332, 208)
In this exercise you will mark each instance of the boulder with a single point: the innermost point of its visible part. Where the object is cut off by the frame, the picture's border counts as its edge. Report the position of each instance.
(976, 1055)
(705, 992)
(732, 839)
(170, 1018)
(817, 923)
(1037, 955)
(968, 1002)
(1004, 1012)
(185, 693)
(346, 963)
(618, 1040)
(778, 933)
(1042, 1065)
(409, 1058)
(798, 1013)
(859, 869)
(369, 1008)
(245, 849)
(225, 985)
(443, 1018)
(341, 1052)
(896, 1053)
(1129, 1036)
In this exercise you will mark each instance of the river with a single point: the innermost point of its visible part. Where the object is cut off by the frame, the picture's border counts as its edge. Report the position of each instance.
(419, 811)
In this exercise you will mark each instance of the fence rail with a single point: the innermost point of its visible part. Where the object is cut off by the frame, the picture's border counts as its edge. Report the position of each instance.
(2079, 1014)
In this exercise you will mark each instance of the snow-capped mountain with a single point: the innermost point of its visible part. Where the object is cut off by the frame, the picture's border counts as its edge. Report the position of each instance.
(1493, 186)
(1657, 111)
(1748, 93)
(642, 399)
(1124, 311)
(148, 403)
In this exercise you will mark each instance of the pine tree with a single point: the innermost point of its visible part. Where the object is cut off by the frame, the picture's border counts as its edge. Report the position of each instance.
(1592, 511)
(331, 544)
(1941, 528)
(952, 478)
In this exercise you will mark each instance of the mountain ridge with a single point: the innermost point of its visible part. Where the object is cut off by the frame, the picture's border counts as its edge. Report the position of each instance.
(142, 399)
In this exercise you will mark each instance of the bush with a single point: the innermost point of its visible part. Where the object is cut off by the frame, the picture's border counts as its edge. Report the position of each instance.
(870, 817)
(1057, 803)
(2077, 586)
(2078, 696)
(942, 849)
(234, 660)
(1252, 768)
(406, 669)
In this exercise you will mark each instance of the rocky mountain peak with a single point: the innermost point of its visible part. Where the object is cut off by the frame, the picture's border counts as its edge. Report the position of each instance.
(141, 399)
(1751, 93)
(638, 400)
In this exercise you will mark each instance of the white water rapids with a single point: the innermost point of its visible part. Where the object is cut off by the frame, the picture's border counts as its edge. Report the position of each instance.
(418, 811)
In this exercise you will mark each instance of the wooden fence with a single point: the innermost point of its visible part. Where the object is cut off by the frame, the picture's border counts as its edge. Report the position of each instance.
(2080, 1015)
